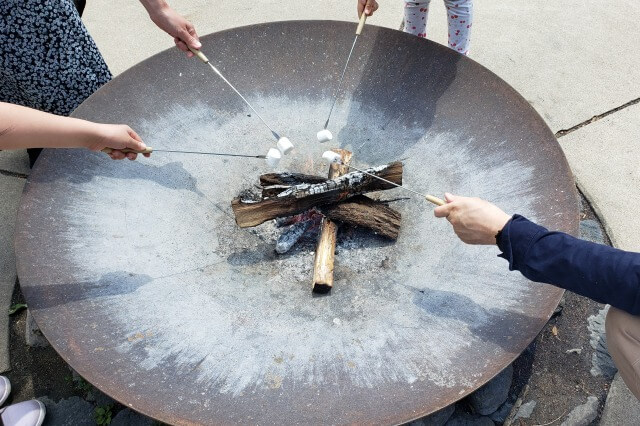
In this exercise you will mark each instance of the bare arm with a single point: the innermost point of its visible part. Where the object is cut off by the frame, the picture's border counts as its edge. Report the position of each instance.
(183, 32)
(22, 127)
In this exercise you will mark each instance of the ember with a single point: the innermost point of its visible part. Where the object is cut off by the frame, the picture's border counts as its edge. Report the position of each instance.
(304, 202)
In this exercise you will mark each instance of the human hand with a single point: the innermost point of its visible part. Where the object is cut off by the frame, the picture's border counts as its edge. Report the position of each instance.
(117, 137)
(367, 6)
(475, 221)
(183, 32)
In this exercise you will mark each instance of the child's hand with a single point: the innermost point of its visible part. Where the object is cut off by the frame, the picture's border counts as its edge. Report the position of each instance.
(367, 6)
(475, 221)
(116, 137)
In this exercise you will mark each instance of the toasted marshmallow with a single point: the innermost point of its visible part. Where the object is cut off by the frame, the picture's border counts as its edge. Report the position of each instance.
(273, 158)
(324, 136)
(332, 157)
(284, 145)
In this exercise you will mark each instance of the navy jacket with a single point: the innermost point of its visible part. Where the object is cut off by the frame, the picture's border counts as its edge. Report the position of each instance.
(602, 273)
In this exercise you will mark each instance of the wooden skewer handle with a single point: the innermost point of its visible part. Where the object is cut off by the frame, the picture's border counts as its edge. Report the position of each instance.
(200, 55)
(148, 150)
(435, 200)
(363, 19)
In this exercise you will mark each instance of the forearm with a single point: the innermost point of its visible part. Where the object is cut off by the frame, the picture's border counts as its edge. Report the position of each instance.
(153, 7)
(602, 273)
(22, 127)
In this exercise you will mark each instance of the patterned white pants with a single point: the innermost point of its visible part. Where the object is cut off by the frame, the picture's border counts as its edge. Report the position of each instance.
(459, 16)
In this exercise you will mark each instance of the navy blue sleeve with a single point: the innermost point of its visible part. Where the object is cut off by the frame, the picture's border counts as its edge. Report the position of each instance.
(600, 272)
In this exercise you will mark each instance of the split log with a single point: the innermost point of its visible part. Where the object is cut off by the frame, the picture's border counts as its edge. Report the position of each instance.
(324, 260)
(299, 198)
(367, 213)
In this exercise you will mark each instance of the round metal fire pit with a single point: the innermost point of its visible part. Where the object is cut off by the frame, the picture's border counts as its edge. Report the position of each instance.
(139, 277)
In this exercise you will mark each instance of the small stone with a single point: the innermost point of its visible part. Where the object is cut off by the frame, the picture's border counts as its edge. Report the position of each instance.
(461, 418)
(439, 418)
(601, 362)
(583, 414)
(590, 230)
(525, 410)
(501, 414)
(73, 411)
(491, 396)
(128, 417)
(34, 336)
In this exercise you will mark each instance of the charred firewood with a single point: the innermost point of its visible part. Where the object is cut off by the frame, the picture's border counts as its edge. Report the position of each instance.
(301, 197)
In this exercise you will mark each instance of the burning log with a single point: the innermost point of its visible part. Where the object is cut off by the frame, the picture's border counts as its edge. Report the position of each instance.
(324, 260)
(367, 213)
(301, 197)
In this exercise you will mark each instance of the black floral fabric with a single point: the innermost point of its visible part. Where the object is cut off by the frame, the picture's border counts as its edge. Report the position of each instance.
(48, 60)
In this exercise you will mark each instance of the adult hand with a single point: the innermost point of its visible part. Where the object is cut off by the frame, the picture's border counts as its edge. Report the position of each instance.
(367, 7)
(117, 137)
(475, 221)
(183, 32)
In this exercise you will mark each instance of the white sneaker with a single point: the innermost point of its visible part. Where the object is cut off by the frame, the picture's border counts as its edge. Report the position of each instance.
(5, 389)
(26, 413)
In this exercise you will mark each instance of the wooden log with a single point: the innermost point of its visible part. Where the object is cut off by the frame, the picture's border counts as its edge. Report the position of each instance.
(299, 198)
(324, 260)
(270, 179)
(367, 213)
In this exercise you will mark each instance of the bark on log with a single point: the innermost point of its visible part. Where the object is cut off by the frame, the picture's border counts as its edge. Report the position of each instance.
(299, 198)
(367, 213)
(324, 260)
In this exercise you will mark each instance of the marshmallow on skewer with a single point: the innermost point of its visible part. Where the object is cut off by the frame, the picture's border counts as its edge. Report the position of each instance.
(284, 145)
(324, 136)
(273, 157)
(332, 157)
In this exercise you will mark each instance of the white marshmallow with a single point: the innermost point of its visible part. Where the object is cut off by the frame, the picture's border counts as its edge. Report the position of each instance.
(273, 158)
(324, 136)
(284, 145)
(332, 157)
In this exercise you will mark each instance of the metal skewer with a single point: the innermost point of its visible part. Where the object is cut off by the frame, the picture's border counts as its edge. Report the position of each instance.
(430, 198)
(204, 59)
(149, 150)
(363, 19)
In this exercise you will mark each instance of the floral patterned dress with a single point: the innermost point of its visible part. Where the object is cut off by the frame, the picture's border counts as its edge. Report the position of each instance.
(48, 60)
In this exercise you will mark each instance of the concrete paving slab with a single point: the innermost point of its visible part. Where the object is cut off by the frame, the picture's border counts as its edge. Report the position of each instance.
(125, 35)
(11, 189)
(570, 59)
(16, 161)
(605, 159)
(621, 408)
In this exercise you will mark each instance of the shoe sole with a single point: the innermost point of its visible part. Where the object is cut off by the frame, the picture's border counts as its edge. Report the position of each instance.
(7, 389)
(43, 413)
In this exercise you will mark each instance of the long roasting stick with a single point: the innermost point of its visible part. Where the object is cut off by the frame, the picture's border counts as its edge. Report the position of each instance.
(324, 260)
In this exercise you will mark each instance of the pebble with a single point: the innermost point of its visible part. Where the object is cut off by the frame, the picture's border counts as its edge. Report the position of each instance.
(525, 410)
(461, 418)
(491, 396)
(73, 411)
(583, 414)
(501, 414)
(601, 362)
(34, 336)
(439, 418)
